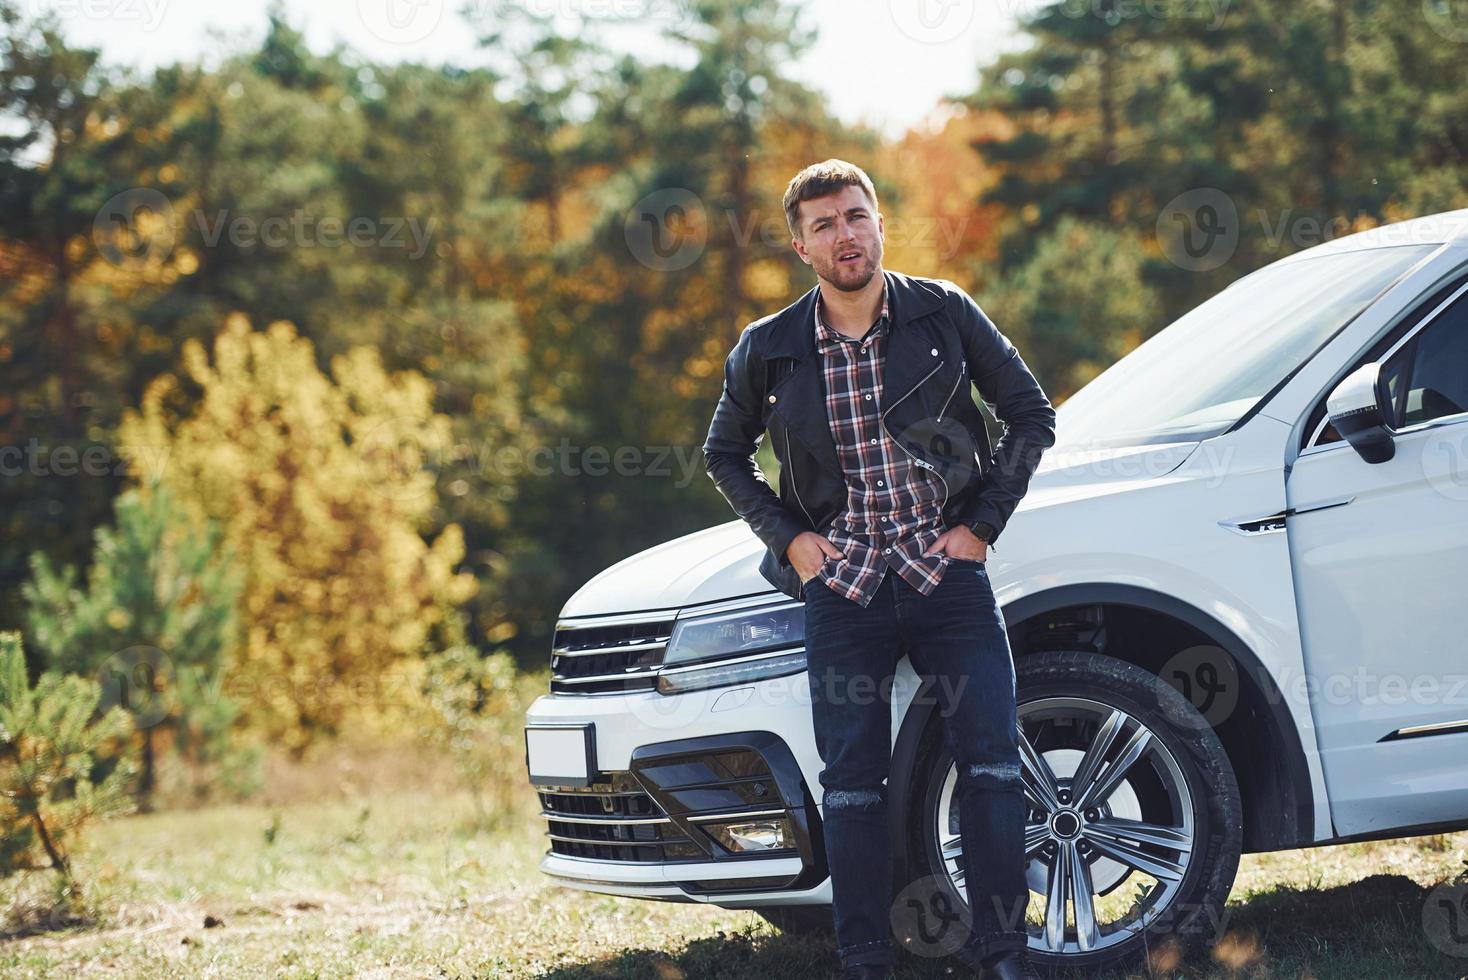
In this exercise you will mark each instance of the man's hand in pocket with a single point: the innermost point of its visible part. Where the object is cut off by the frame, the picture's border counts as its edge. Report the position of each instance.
(808, 552)
(960, 542)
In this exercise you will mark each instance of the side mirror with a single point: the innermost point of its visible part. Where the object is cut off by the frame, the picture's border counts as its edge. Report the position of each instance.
(1359, 409)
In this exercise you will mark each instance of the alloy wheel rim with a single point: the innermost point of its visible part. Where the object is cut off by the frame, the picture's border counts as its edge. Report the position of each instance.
(1088, 831)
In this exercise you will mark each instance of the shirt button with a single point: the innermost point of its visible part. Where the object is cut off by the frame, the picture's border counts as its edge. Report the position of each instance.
(884, 520)
(772, 398)
(935, 352)
(879, 483)
(886, 551)
(874, 442)
(869, 397)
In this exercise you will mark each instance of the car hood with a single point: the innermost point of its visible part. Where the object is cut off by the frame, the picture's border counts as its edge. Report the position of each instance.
(1079, 473)
(722, 562)
(716, 563)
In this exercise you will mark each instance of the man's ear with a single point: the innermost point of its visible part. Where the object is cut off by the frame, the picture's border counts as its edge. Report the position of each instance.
(799, 247)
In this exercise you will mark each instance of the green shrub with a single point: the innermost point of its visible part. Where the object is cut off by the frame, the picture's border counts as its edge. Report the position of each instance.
(61, 763)
(156, 624)
(475, 706)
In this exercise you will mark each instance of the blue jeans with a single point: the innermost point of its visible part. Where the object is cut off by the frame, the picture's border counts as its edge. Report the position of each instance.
(956, 636)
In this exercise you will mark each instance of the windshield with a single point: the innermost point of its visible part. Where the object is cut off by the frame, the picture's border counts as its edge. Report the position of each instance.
(1201, 374)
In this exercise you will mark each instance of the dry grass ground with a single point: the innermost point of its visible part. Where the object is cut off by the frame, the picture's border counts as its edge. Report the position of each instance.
(372, 866)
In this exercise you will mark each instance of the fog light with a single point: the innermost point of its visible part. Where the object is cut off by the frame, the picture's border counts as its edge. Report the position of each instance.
(755, 835)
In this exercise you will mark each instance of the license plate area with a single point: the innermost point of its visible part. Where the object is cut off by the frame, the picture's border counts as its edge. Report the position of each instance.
(560, 755)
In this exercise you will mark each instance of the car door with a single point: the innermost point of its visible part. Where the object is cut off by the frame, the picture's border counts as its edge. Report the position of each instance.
(1380, 563)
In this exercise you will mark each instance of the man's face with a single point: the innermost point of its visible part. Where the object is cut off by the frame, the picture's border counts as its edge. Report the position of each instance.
(842, 238)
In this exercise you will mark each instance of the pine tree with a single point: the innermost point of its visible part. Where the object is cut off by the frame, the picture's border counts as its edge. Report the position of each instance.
(1077, 305)
(155, 623)
(59, 764)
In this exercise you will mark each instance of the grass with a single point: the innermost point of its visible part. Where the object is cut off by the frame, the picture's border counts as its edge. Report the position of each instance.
(383, 872)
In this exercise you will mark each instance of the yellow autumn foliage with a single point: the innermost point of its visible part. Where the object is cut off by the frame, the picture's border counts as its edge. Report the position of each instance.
(325, 489)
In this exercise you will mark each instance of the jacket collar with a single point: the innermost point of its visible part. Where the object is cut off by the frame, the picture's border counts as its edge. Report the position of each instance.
(792, 334)
(828, 337)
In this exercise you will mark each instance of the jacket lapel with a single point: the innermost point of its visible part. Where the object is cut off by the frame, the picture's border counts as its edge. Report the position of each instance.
(800, 399)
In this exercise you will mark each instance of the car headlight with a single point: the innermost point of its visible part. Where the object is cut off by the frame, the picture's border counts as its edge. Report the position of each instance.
(736, 634)
(734, 648)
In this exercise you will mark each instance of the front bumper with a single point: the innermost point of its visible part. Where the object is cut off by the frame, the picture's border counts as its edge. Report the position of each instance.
(654, 821)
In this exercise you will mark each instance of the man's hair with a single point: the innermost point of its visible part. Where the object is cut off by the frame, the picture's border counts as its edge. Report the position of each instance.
(819, 180)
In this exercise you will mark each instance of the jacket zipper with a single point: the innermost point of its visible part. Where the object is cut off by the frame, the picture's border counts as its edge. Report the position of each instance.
(956, 382)
(924, 464)
(793, 488)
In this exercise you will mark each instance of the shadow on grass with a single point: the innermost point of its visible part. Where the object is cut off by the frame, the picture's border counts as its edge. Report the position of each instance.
(755, 951)
(1371, 929)
(41, 918)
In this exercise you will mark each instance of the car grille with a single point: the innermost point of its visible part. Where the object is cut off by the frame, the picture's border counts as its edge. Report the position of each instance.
(608, 657)
(612, 820)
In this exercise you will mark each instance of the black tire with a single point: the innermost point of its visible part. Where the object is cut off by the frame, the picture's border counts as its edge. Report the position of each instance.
(1049, 685)
(800, 920)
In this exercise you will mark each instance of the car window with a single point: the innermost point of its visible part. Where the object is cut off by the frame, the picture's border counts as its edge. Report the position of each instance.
(1428, 377)
(1393, 370)
(1199, 376)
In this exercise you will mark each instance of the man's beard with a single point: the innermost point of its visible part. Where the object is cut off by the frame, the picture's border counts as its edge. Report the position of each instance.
(858, 278)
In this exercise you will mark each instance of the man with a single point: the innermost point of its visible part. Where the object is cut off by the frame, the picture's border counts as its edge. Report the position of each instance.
(888, 501)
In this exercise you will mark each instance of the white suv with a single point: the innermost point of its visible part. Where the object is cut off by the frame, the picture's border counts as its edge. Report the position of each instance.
(1232, 593)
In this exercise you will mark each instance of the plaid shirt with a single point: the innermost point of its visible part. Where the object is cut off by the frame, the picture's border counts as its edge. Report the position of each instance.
(893, 508)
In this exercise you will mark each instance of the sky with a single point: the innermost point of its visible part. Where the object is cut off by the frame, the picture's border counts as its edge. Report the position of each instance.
(883, 62)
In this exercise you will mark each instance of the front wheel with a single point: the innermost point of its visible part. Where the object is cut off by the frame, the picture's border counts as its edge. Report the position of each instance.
(1134, 823)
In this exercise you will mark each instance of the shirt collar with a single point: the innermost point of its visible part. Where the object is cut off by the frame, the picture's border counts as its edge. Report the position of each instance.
(826, 336)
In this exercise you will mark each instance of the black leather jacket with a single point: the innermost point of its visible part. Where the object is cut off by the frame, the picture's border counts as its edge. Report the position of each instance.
(940, 343)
